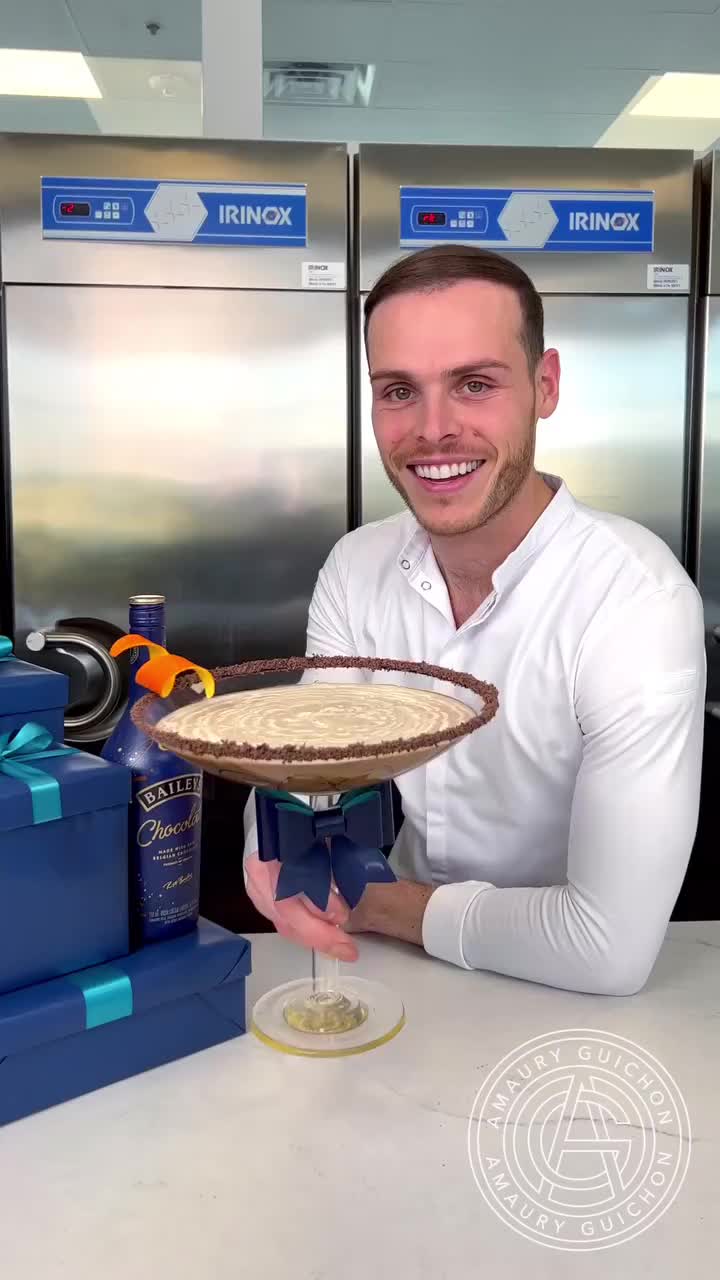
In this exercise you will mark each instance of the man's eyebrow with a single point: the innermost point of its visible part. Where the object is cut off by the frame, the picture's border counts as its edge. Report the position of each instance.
(402, 375)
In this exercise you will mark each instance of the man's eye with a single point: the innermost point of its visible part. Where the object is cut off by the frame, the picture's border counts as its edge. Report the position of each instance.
(398, 393)
(476, 386)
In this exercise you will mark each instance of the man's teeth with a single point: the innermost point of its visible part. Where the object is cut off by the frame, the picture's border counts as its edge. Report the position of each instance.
(445, 471)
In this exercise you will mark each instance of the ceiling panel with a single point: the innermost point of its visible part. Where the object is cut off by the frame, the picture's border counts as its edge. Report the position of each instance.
(133, 102)
(36, 24)
(460, 36)
(310, 31)
(354, 4)
(414, 84)
(456, 35)
(116, 28)
(123, 117)
(45, 115)
(670, 42)
(144, 79)
(450, 127)
(594, 8)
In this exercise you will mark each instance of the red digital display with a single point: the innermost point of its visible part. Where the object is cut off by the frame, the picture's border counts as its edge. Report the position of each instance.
(431, 218)
(72, 209)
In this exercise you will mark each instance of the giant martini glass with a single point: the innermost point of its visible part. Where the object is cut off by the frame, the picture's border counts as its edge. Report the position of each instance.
(349, 725)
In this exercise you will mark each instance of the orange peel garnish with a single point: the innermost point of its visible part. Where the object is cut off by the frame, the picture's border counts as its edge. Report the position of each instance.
(135, 642)
(160, 672)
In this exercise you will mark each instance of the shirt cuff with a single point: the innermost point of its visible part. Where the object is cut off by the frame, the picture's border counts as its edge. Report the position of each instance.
(250, 832)
(444, 919)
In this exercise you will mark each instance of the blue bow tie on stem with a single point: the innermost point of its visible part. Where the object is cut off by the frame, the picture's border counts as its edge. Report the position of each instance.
(315, 847)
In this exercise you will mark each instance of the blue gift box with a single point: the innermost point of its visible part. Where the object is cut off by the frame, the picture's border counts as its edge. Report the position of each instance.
(63, 882)
(28, 692)
(76, 1034)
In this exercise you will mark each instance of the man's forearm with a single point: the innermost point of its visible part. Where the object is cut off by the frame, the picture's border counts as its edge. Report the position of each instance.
(395, 910)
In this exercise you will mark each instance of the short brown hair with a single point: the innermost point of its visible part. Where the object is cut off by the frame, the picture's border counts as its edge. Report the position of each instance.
(446, 264)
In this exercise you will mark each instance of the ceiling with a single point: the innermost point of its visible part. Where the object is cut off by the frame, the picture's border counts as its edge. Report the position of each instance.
(123, 56)
(501, 72)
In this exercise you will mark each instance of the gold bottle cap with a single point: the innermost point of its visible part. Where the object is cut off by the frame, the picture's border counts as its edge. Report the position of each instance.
(147, 600)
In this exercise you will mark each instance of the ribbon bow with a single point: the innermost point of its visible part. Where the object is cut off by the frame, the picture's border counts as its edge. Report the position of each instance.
(315, 846)
(33, 742)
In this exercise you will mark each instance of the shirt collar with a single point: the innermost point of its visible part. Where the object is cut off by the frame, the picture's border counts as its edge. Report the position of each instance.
(513, 567)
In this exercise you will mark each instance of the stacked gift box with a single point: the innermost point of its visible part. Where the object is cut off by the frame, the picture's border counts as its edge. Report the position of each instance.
(78, 1009)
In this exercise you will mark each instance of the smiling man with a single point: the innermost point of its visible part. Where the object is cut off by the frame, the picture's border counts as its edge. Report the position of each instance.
(551, 845)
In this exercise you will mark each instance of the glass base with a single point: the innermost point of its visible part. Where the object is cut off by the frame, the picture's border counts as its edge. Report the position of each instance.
(297, 1018)
(325, 1012)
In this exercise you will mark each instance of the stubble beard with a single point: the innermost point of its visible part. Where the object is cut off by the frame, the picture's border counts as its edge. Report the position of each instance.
(506, 485)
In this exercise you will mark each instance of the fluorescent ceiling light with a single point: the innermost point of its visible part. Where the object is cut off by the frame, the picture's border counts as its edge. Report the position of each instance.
(658, 133)
(45, 73)
(682, 95)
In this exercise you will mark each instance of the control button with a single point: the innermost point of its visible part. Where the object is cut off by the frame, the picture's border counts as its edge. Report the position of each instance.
(106, 204)
(107, 215)
(426, 586)
(115, 215)
(98, 213)
(116, 204)
(453, 222)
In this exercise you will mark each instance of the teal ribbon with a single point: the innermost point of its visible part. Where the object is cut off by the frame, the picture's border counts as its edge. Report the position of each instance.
(107, 992)
(6, 649)
(33, 742)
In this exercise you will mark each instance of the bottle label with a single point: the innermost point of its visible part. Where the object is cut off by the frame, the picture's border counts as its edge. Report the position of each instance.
(168, 816)
(150, 797)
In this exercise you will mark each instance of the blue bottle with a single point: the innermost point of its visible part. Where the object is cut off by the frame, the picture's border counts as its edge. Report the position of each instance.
(166, 813)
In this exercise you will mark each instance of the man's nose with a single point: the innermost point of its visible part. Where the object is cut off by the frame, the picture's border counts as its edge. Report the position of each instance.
(437, 420)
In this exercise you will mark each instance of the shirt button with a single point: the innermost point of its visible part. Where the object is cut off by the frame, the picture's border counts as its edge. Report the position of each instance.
(426, 586)
(405, 564)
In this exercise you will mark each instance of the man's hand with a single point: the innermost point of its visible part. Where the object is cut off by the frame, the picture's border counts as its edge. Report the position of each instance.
(297, 918)
(396, 910)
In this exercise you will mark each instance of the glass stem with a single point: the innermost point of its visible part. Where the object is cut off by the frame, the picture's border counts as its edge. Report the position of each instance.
(325, 974)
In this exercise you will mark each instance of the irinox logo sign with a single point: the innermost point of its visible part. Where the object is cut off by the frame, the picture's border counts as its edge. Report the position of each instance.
(247, 215)
(605, 222)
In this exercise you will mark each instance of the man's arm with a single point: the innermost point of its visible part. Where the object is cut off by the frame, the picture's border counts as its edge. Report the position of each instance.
(639, 698)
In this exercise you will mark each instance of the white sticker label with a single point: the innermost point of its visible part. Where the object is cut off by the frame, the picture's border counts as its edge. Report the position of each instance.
(323, 275)
(669, 278)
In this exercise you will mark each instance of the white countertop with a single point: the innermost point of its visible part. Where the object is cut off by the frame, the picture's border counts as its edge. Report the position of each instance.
(241, 1161)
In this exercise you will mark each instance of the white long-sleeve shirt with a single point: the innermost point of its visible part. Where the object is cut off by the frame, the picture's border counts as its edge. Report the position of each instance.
(557, 836)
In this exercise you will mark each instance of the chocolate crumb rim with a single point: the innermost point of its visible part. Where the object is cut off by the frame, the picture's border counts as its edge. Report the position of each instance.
(293, 753)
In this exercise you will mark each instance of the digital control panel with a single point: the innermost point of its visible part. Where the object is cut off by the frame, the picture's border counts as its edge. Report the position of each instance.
(456, 215)
(94, 209)
(172, 211)
(537, 219)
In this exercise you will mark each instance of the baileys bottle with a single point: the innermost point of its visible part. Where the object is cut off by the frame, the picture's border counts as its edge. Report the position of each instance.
(166, 813)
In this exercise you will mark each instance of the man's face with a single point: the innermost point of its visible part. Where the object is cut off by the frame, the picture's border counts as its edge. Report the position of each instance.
(454, 401)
